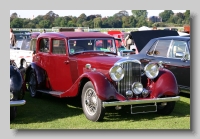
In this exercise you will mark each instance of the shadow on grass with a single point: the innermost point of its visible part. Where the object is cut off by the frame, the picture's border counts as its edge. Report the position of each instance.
(182, 109)
(46, 108)
(49, 108)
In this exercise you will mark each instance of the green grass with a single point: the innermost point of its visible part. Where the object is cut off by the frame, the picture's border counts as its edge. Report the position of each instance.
(49, 112)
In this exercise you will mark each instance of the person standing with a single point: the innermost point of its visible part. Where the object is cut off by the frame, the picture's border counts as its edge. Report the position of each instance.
(44, 31)
(12, 38)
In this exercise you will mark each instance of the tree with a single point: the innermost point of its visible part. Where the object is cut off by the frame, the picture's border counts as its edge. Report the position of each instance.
(91, 17)
(187, 16)
(139, 13)
(81, 19)
(97, 22)
(57, 21)
(166, 15)
(83, 16)
(121, 13)
(17, 23)
(44, 24)
(14, 15)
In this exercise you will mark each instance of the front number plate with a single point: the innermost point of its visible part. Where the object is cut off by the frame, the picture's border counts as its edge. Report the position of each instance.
(143, 109)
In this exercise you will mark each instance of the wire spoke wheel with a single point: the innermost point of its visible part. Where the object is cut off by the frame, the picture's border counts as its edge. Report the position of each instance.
(90, 100)
(91, 104)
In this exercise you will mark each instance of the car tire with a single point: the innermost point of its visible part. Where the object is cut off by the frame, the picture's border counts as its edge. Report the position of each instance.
(91, 104)
(32, 85)
(13, 113)
(167, 109)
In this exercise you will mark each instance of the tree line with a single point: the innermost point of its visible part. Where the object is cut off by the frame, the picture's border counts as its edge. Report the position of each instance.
(119, 20)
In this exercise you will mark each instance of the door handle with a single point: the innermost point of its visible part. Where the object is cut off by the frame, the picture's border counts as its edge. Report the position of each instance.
(66, 62)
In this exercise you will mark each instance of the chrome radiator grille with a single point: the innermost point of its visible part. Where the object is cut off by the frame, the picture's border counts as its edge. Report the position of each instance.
(132, 74)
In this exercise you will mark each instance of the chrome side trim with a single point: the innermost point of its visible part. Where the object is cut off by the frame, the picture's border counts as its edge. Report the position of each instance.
(143, 101)
(17, 103)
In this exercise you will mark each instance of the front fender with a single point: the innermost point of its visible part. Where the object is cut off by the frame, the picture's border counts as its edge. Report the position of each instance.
(165, 84)
(104, 88)
(40, 72)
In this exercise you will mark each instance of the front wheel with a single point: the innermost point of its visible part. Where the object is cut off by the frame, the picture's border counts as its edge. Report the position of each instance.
(91, 104)
(166, 109)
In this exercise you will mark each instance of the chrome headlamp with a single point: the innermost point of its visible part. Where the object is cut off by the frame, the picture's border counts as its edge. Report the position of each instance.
(151, 70)
(116, 73)
(137, 88)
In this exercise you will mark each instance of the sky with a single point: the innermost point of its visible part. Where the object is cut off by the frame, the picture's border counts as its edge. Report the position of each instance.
(35, 13)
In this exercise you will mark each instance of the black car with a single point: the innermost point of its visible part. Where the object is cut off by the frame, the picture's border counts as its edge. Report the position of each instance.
(172, 52)
(17, 89)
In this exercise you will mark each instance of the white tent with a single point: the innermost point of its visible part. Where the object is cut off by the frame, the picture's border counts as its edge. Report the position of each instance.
(144, 28)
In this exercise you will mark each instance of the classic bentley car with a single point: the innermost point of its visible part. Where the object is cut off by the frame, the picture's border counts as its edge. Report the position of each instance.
(69, 64)
(17, 89)
(173, 52)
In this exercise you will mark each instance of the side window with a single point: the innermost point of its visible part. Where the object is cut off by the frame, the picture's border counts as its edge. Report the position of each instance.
(160, 48)
(33, 44)
(59, 47)
(178, 49)
(44, 45)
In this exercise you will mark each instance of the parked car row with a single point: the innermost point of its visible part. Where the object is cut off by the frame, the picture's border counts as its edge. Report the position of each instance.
(22, 52)
(17, 89)
(88, 65)
(167, 48)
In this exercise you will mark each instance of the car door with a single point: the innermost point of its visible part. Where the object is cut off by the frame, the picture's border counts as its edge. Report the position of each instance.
(164, 50)
(42, 57)
(58, 67)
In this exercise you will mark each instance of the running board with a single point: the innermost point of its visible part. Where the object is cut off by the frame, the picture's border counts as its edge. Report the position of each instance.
(54, 93)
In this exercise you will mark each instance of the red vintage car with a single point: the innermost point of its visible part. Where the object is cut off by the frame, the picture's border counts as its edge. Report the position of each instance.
(69, 64)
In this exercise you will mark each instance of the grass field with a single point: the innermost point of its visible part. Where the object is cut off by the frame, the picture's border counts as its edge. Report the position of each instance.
(49, 112)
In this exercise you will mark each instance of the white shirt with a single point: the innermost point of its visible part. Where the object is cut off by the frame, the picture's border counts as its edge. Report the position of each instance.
(10, 36)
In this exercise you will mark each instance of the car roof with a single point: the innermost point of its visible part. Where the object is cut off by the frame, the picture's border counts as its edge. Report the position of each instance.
(175, 37)
(76, 34)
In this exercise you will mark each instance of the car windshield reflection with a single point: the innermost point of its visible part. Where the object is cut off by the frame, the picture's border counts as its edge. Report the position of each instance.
(92, 44)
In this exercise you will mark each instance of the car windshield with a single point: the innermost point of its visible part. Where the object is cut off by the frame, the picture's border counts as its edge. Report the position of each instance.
(92, 44)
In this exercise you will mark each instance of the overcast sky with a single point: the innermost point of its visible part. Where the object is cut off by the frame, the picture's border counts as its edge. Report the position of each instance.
(35, 13)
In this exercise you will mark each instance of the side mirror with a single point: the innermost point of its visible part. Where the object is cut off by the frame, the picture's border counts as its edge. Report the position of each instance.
(179, 54)
(184, 56)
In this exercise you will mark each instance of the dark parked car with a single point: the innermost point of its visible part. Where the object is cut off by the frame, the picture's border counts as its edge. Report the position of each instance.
(173, 52)
(17, 89)
(70, 64)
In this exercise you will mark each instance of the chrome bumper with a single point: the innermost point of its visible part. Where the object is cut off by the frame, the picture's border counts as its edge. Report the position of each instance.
(17, 103)
(143, 101)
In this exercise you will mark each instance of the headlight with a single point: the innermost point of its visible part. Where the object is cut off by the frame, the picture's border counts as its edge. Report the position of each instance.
(151, 70)
(137, 88)
(116, 73)
(11, 96)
